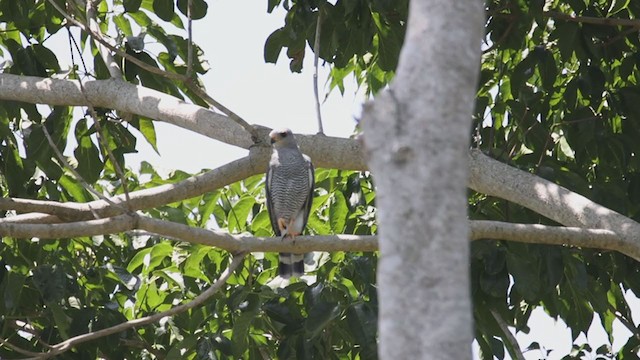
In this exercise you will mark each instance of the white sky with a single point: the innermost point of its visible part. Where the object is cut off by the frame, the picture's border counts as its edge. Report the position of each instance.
(232, 37)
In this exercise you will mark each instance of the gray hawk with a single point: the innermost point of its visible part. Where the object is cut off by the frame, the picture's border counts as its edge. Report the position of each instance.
(289, 187)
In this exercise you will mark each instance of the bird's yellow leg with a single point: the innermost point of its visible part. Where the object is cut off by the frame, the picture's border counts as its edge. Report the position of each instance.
(282, 225)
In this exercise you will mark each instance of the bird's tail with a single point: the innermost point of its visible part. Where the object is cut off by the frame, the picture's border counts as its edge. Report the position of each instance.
(290, 265)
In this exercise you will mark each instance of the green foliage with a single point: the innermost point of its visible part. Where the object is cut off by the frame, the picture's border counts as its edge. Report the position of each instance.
(101, 281)
(558, 98)
(357, 37)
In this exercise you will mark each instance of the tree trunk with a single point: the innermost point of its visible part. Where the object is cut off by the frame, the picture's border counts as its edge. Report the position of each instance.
(416, 137)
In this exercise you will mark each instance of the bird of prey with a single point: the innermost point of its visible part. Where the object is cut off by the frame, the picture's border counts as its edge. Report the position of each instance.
(289, 187)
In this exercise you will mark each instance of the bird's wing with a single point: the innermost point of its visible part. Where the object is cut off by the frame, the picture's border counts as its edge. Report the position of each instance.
(312, 183)
(270, 209)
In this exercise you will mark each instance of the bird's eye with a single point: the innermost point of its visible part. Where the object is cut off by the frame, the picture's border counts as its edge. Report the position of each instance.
(283, 134)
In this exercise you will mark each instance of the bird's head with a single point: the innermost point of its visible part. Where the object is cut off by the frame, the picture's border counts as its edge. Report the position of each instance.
(282, 137)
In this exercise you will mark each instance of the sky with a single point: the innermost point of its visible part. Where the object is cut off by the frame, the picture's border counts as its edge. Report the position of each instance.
(232, 37)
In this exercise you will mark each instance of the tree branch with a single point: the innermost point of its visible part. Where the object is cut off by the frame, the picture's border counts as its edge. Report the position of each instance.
(593, 20)
(197, 301)
(326, 151)
(186, 79)
(126, 97)
(109, 61)
(513, 342)
(491, 177)
(141, 199)
(494, 230)
(316, 50)
(486, 175)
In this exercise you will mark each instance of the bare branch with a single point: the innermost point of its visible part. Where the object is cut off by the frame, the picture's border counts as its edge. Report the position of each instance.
(109, 61)
(190, 39)
(326, 151)
(527, 233)
(543, 234)
(125, 97)
(494, 178)
(316, 50)
(215, 104)
(508, 336)
(6, 343)
(593, 20)
(197, 301)
(142, 199)
(66, 164)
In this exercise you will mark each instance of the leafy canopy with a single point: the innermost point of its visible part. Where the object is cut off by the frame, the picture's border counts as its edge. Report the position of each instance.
(557, 96)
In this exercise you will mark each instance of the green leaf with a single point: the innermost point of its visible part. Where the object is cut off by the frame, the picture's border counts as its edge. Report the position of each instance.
(123, 24)
(198, 8)
(148, 130)
(363, 322)
(193, 263)
(62, 321)
(273, 46)
(46, 57)
(164, 9)
(89, 163)
(138, 259)
(338, 211)
(241, 325)
(73, 188)
(320, 315)
(618, 5)
(131, 5)
(50, 280)
(13, 290)
(239, 214)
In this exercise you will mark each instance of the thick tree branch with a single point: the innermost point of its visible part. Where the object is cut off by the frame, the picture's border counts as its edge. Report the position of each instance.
(197, 301)
(126, 97)
(491, 177)
(486, 175)
(326, 151)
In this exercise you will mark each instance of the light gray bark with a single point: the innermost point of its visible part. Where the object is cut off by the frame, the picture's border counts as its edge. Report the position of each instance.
(416, 138)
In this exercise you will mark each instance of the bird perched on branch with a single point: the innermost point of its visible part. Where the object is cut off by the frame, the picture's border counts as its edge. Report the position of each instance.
(289, 185)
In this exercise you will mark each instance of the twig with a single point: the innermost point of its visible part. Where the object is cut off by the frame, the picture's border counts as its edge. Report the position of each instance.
(216, 105)
(109, 61)
(174, 76)
(6, 343)
(316, 50)
(190, 39)
(593, 20)
(78, 177)
(508, 336)
(98, 38)
(624, 321)
(96, 121)
(197, 301)
(502, 38)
